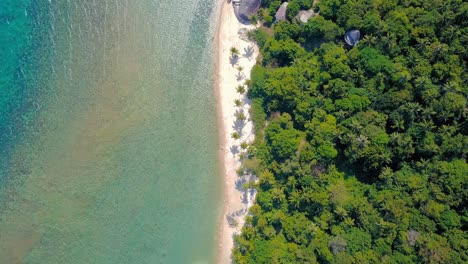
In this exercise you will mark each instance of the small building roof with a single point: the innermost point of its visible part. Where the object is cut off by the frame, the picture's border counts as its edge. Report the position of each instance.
(304, 15)
(352, 37)
(281, 13)
(231, 220)
(245, 8)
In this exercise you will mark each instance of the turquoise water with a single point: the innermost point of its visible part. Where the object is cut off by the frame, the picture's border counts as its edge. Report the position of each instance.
(108, 132)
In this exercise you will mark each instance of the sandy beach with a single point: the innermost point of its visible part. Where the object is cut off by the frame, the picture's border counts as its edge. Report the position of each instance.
(231, 33)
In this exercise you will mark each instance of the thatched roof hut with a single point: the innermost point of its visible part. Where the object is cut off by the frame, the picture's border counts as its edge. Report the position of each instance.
(245, 9)
(304, 15)
(352, 37)
(281, 13)
(231, 221)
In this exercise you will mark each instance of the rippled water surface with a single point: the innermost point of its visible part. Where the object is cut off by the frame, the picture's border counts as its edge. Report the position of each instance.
(108, 132)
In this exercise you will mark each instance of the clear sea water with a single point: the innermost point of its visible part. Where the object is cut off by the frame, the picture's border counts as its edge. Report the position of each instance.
(108, 135)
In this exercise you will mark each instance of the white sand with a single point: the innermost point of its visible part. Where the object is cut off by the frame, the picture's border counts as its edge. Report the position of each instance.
(227, 81)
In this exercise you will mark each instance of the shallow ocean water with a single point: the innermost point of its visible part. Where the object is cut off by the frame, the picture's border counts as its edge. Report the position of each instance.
(108, 133)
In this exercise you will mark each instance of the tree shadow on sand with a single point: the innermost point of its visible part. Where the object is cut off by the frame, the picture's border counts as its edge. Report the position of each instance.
(234, 60)
(240, 76)
(240, 183)
(234, 150)
(239, 125)
(248, 52)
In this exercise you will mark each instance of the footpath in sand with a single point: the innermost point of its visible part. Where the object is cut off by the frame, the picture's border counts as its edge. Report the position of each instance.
(232, 33)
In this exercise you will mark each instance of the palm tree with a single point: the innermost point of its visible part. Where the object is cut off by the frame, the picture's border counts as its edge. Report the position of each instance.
(240, 75)
(234, 52)
(438, 48)
(387, 175)
(451, 87)
(253, 19)
(398, 124)
(422, 81)
(295, 199)
(240, 89)
(237, 102)
(337, 244)
(355, 125)
(413, 110)
(396, 138)
(341, 212)
(267, 179)
(445, 130)
(444, 115)
(427, 113)
(385, 158)
(426, 125)
(422, 43)
(244, 145)
(369, 41)
(423, 163)
(362, 141)
(341, 114)
(235, 135)
(348, 221)
(452, 30)
(248, 82)
(240, 115)
(357, 75)
(278, 194)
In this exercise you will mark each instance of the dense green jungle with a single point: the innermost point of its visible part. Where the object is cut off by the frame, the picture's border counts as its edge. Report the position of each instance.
(361, 151)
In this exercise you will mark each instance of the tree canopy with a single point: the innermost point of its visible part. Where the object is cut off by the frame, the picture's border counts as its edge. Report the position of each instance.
(362, 151)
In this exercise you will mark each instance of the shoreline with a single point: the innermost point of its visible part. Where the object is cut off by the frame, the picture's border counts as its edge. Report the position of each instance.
(234, 200)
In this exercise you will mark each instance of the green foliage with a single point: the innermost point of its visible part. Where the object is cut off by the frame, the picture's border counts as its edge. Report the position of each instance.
(319, 27)
(281, 52)
(361, 152)
(259, 36)
(258, 114)
(373, 61)
(293, 9)
(283, 139)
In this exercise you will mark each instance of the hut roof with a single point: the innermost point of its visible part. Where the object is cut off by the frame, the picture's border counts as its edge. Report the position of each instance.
(304, 15)
(281, 13)
(245, 9)
(352, 37)
(231, 220)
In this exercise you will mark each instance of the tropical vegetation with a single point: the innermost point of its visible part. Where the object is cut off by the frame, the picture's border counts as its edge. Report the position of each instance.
(361, 152)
